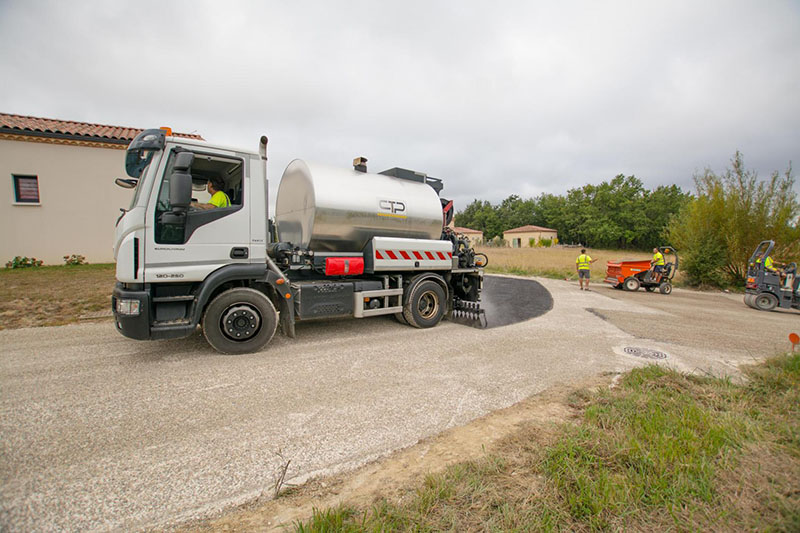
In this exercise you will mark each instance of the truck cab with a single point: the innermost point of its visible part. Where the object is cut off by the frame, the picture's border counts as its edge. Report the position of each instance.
(164, 246)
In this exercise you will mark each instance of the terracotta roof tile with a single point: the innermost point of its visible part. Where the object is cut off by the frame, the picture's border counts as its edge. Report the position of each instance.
(96, 132)
(527, 229)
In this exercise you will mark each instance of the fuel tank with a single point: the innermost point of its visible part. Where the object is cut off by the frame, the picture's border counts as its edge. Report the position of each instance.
(332, 209)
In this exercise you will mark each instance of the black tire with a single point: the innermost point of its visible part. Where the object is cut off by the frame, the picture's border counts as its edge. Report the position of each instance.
(400, 318)
(426, 305)
(239, 320)
(765, 301)
(748, 300)
(631, 284)
(649, 288)
(665, 288)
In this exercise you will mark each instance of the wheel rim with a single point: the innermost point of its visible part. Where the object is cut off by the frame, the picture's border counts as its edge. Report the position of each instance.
(764, 302)
(240, 322)
(428, 305)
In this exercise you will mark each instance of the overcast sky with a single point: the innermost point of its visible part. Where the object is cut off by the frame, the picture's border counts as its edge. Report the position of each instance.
(496, 98)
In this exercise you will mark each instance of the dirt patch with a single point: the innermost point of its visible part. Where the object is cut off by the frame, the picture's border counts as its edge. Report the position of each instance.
(397, 475)
(52, 296)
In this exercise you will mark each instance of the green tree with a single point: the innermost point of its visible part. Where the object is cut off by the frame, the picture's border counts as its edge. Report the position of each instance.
(732, 212)
(660, 206)
(481, 215)
(619, 213)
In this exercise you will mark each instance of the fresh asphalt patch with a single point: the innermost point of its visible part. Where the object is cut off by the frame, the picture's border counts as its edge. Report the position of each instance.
(511, 300)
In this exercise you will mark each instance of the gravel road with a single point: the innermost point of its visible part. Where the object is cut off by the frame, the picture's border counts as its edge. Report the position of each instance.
(99, 432)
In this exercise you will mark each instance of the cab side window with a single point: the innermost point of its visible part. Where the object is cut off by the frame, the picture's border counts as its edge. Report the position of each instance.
(228, 172)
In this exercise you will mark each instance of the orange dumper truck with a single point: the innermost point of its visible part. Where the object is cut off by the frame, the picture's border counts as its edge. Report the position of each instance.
(631, 274)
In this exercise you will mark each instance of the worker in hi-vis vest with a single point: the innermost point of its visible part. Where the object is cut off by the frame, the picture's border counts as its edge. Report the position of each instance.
(215, 188)
(583, 265)
(769, 264)
(657, 264)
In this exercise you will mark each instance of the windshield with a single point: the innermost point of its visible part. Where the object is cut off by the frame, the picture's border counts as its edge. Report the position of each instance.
(136, 161)
(141, 151)
(137, 191)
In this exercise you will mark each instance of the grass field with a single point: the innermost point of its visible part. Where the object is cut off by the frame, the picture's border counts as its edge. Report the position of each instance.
(662, 451)
(554, 262)
(53, 295)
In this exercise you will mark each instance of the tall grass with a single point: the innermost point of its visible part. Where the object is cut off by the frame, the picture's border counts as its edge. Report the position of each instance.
(554, 262)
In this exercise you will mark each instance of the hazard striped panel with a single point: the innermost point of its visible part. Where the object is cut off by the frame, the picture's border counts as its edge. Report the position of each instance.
(395, 254)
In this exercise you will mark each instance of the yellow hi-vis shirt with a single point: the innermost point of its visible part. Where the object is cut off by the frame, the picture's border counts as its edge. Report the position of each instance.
(584, 262)
(220, 199)
(767, 262)
(658, 258)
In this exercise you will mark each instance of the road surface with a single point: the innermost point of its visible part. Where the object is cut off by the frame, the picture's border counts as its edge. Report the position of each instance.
(99, 432)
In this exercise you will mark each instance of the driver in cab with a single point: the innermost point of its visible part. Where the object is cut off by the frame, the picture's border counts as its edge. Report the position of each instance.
(215, 188)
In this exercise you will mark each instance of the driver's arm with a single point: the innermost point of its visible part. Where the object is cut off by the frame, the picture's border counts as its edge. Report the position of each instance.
(198, 205)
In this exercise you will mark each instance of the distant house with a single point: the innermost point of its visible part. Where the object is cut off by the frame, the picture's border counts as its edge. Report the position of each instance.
(475, 236)
(60, 196)
(521, 237)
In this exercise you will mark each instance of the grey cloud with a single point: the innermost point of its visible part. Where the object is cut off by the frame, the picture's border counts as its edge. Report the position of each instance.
(496, 99)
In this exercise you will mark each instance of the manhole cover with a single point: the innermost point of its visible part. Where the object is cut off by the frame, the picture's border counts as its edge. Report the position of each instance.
(644, 353)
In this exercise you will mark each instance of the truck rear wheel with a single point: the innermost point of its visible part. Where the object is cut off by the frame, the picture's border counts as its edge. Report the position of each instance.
(631, 284)
(239, 320)
(425, 306)
(765, 301)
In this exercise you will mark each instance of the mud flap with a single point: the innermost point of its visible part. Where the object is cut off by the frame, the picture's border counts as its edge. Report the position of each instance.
(287, 318)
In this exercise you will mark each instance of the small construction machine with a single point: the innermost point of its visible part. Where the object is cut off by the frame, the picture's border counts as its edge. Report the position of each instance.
(632, 274)
(766, 288)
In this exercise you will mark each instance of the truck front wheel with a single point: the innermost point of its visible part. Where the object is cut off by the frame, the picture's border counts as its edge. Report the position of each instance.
(239, 320)
(425, 306)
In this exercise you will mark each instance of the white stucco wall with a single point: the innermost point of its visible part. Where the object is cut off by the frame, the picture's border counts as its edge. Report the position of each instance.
(79, 202)
(527, 236)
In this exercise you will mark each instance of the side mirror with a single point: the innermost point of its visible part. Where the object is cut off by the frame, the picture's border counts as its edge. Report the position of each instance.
(126, 183)
(180, 183)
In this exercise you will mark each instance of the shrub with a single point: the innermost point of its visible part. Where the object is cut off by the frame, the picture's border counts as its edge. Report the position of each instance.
(24, 262)
(497, 242)
(75, 259)
(718, 230)
(547, 243)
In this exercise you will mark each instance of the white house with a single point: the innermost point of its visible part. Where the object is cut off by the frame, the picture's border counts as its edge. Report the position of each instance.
(60, 196)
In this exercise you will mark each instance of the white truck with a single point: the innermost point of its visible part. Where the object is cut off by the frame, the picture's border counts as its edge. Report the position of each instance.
(343, 242)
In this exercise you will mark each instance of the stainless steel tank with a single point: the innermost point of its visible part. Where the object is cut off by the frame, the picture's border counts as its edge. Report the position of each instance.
(339, 210)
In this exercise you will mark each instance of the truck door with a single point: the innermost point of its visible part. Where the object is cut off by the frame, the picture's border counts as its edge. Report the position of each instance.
(206, 239)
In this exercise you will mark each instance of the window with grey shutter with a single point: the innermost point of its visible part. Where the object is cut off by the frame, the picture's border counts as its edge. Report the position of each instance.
(26, 189)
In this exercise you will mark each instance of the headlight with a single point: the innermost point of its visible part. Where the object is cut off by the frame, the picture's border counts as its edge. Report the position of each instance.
(128, 307)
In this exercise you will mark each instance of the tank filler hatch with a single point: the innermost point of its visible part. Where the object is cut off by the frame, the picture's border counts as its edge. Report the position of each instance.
(411, 175)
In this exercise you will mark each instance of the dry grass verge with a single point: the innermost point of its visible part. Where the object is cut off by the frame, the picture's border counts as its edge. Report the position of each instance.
(557, 262)
(662, 451)
(53, 295)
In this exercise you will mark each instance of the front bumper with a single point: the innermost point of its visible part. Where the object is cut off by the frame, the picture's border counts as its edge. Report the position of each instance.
(134, 327)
